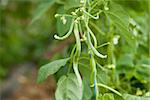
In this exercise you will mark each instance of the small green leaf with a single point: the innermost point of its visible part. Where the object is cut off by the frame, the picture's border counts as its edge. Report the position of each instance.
(71, 4)
(62, 28)
(42, 8)
(145, 61)
(125, 60)
(60, 1)
(102, 75)
(108, 96)
(68, 88)
(133, 97)
(125, 64)
(50, 69)
(142, 72)
(86, 90)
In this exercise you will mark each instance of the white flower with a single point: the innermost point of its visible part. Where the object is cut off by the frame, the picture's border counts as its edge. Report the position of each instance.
(64, 21)
(81, 1)
(116, 39)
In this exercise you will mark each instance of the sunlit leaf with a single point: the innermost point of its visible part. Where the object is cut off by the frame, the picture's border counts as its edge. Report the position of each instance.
(133, 97)
(108, 96)
(50, 69)
(68, 88)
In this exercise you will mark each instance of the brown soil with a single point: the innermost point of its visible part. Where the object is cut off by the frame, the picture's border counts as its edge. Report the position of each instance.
(30, 90)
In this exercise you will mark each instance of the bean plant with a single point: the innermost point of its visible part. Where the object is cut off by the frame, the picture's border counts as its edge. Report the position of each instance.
(105, 36)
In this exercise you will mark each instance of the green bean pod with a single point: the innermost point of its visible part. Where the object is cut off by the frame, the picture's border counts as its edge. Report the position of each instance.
(92, 47)
(67, 35)
(93, 75)
(77, 54)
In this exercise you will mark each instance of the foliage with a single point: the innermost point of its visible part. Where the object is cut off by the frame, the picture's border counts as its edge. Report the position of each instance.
(47, 70)
(118, 29)
(122, 67)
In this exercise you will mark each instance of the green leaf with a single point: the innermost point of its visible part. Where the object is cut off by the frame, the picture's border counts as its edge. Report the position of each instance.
(68, 4)
(120, 19)
(125, 64)
(60, 1)
(118, 14)
(42, 8)
(50, 69)
(62, 29)
(132, 97)
(71, 4)
(86, 90)
(68, 88)
(142, 73)
(102, 76)
(108, 96)
(85, 70)
(145, 61)
(125, 60)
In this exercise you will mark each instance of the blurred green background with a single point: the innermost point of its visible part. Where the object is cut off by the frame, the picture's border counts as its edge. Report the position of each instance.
(24, 47)
(20, 40)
